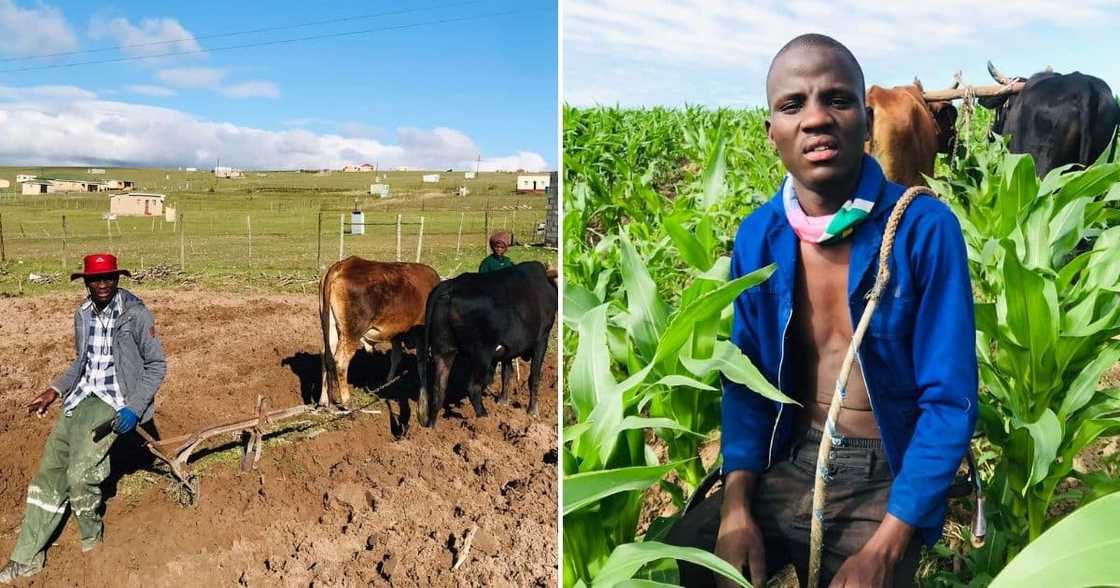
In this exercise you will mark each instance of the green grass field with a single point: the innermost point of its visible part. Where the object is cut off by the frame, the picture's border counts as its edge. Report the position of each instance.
(294, 220)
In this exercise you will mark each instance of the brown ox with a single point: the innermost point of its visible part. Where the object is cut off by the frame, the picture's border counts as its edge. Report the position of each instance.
(907, 133)
(362, 303)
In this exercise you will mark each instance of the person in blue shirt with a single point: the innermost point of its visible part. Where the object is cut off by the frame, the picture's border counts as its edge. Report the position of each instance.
(910, 405)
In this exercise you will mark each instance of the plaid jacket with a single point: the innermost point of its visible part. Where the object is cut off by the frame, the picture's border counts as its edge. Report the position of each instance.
(138, 360)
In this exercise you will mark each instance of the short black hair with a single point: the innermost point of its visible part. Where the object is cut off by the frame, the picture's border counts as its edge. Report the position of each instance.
(815, 41)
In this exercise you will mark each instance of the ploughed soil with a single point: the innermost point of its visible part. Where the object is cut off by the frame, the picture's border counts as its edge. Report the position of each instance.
(334, 501)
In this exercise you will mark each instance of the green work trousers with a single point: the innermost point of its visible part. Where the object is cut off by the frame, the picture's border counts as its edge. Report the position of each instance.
(71, 472)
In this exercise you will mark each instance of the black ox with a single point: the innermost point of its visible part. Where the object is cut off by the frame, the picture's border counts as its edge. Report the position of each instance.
(485, 319)
(1058, 119)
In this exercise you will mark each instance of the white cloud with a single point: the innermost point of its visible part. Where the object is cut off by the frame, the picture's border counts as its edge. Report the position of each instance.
(662, 43)
(251, 89)
(70, 126)
(153, 36)
(191, 77)
(149, 90)
(34, 31)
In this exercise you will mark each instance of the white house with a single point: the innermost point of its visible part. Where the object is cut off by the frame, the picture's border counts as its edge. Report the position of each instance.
(430, 178)
(223, 171)
(21, 178)
(137, 204)
(532, 183)
(379, 190)
(468, 175)
(96, 170)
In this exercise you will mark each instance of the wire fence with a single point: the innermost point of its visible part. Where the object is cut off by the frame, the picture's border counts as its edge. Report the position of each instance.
(278, 238)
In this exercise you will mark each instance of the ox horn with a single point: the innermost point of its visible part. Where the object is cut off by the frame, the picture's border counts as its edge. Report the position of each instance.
(1049, 69)
(956, 80)
(996, 75)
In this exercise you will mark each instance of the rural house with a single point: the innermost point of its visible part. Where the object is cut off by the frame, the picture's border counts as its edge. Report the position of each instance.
(137, 204)
(223, 171)
(430, 178)
(21, 178)
(379, 190)
(96, 170)
(532, 183)
(52, 185)
(118, 184)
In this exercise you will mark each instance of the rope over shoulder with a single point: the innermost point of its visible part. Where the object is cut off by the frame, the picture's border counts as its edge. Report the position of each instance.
(832, 435)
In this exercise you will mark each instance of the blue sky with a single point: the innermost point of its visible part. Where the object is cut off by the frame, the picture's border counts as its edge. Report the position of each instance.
(713, 52)
(429, 94)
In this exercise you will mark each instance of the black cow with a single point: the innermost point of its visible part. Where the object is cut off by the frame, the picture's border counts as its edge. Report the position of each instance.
(485, 319)
(1056, 118)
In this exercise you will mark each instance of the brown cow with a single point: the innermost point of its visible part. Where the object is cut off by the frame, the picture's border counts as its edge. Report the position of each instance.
(364, 302)
(907, 133)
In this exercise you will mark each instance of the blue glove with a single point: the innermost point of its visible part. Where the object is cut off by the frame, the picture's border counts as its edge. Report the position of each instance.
(125, 422)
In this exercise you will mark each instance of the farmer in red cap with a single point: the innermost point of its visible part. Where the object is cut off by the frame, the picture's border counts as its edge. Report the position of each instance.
(499, 244)
(119, 367)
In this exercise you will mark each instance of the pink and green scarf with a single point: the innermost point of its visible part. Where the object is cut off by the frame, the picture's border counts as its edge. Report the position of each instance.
(830, 228)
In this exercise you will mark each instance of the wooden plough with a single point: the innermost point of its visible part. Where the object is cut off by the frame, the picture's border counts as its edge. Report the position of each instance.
(176, 451)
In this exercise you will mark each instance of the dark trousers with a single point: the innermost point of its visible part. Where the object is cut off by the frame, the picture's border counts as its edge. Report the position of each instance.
(782, 507)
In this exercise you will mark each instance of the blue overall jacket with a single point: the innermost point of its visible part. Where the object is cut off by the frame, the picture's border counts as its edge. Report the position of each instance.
(918, 357)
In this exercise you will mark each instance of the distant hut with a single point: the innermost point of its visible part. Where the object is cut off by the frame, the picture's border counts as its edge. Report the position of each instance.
(137, 204)
(379, 190)
(430, 178)
(533, 182)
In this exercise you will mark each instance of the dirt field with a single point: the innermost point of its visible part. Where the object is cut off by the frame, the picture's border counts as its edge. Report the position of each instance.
(334, 502)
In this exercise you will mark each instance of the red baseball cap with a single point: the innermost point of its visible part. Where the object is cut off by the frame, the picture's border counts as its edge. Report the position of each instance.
(99, 264)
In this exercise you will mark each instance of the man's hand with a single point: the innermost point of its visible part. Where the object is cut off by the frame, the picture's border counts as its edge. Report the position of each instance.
(872, 565)
(865, 568)
(42, 402)
(740, 540)
(740, 544)
(125, 422)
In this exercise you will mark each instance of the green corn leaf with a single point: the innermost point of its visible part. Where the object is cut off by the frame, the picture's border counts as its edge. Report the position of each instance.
(676, 380)
(707, 306)
(587, 488)
(647, 311)
(577, 301)
(1029, 308)
(715, 170)
(636, 422)
(590, 378)
(1078, 551)
(627, 559)
(719, 272)
(689, 247)
(730, 361)
(1047, 435)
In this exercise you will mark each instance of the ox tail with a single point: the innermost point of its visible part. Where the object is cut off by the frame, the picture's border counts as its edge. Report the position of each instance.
(426, 400)
(327, 322)
(1088, 112)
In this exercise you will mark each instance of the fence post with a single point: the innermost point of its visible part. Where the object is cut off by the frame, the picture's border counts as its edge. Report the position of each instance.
(181, 225)
(459, 240)
(420, 240)
(249, 224)
(319, 242)
(398, 237)
(3, 252)
(341, 228)
(513, 227)
(64, 241)
(486, 227)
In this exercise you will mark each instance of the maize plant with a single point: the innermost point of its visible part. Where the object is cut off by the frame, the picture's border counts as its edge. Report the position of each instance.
(647, 311)
(1043, 261)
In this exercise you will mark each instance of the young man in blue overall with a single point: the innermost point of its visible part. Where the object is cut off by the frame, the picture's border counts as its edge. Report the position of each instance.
(118, 368)
(910, 406)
